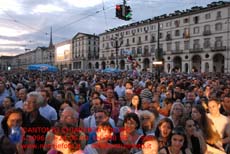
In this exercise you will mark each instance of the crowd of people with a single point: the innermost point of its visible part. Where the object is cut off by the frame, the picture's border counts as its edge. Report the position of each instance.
(89, 112)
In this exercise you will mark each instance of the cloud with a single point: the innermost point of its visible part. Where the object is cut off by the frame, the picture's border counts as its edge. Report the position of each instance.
(47, 9)
(84, 3)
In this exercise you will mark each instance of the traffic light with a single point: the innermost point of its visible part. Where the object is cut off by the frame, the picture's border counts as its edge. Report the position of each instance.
(123, 12)
(119, 11)
(128, 14)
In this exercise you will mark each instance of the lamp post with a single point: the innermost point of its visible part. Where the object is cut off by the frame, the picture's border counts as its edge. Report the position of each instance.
(116, 43)
(158, 63)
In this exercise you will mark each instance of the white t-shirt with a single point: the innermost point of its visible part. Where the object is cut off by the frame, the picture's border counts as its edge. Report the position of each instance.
(48, 112)
(220, 123)
(19, 104)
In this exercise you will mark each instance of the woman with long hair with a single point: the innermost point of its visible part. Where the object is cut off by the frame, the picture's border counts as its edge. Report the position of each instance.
(177, 143)
(211, 136)
(163, 131)
(196, 141)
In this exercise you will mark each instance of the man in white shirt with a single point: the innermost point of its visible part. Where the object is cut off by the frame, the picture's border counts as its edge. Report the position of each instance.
(22, 96)
(120, 89)
(46, 110)
(221, 122)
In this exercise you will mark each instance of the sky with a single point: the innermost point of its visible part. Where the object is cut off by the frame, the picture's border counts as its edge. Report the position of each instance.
(26, 24)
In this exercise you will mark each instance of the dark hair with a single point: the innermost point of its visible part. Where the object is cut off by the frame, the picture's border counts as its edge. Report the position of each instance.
(11, 100)
(50, 86)
(68, 132)
(105, 125)
(205, 124)
(139, 103)
(179, 130)
(6, 117)
(133, 116)
(66, 101)
(167, 120)
(118, 150)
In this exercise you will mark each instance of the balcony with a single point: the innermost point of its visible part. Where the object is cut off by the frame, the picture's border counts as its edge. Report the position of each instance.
(111, 57)
(221, 48)
(139, 43)
(102, 58)
(168, 37)
(177, 51)
(146, 54)
(127, 44)
(207, 32)
(195, 50)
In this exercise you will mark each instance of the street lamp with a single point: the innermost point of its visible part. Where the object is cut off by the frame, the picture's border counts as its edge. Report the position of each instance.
(157, 65)
(116, 43)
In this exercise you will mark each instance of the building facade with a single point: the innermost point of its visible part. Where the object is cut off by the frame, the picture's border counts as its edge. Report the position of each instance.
(85, 53)
(195, 39)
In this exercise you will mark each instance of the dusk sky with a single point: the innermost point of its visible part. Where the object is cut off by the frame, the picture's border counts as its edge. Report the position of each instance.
(25, 24)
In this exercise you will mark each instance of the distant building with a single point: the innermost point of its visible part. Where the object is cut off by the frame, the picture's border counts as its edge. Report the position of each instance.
(197, 39)
(63, 55)
(85, 53)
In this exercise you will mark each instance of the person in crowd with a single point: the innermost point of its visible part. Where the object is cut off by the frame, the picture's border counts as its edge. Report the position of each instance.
(46, 110)
(22, 98)
(69, 95)
(98, 87)
(90, 121)
(52, 101)
(187, 109)
(34, 120)
(145, 102)
(9, 144)
(85, 108)
(3, 91)
(165, 110)
(66, 140)
(70, 117)
(129, 136)
(100, 115)
(60, 96)
(112, 103)
(226, 105)
(120, 89)
(64, 104)
(149, 145)
(7, 104)
(147, 92)
(211, 136)
(196, 141)
(220, 122)
(104, 133)
(147, 120)
(177, 143)
(128, 97)
(118, 150)
(176, 113)
(163, 131)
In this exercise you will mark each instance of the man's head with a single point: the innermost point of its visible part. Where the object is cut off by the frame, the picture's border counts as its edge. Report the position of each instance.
(33, 102)
(2, 86)
(214, 107)
(145, 103)
(22, 94)
(69, 116)
(226, 103)
(101, 116)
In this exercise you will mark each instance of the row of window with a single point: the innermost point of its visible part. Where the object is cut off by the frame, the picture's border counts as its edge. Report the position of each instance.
(196, 20)
(186, 34)
(196, 45)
